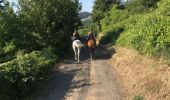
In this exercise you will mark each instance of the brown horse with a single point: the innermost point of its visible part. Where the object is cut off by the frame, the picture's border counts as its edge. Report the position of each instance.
(91, 44)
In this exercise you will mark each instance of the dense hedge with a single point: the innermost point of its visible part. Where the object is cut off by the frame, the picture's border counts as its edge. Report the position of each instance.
(21, 76)
(31, 39)
(148, 32)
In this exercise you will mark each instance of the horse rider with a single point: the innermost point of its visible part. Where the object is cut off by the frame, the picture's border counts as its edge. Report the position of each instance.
(91, 35)
(76, 36)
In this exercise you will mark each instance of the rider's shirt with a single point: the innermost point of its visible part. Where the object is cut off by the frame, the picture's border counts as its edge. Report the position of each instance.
(90, 36)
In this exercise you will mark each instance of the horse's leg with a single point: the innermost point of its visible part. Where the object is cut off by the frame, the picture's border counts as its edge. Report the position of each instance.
(79, 54)
(75, 53)
(93, 49)
(90, 50)
(91, 53)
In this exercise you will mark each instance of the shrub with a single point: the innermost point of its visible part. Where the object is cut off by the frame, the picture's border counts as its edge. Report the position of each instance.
(7, 52)
(146, 32)
(9, 47)
(49, 53)
(83, 32)
(22, 75)
(138, 97)
(111, 36)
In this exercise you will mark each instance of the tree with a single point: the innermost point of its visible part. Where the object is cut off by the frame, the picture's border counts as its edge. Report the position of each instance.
(99, 9)
(0, 4)
(138, 6)
(8, 23)
(41, 29)
(50, 21)
(39, 23)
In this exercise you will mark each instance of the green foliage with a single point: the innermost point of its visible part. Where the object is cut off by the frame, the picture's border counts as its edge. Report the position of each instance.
(7, 52)
(41, 30)
(149, 35)
(164, 8)
(113, 18)
(87, 23)
(146, 31)
(39, 24)
(138, 97)
(141, 6)
(111, 36)
(9, 47)
(113, 24)
(83, 32)
(151, 38)
(51, 21)
(49, 53)
(23, 74)
(99, 9)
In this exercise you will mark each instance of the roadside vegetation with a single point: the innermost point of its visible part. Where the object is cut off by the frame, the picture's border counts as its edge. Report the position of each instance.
(32, 39)
(140, 24)
(37, 35)
(140, 33)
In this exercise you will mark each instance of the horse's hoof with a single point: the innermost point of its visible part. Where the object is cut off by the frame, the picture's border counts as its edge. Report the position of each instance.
(92, 59)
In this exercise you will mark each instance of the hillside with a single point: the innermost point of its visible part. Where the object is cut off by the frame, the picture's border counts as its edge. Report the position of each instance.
(143, 26)
(83, 15)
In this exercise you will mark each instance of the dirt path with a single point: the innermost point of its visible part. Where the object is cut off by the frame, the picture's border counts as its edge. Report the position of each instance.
(104, 81)
(89, 80)
(68, 79)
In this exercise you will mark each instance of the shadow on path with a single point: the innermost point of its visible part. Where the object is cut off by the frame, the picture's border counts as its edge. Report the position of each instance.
(70, 75)
(65, 77)
(104, 52)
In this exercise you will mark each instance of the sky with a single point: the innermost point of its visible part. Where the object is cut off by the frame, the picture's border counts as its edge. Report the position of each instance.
(87, 5)
(13, 1)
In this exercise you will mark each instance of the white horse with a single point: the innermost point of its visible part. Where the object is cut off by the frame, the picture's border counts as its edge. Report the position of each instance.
(77, 45)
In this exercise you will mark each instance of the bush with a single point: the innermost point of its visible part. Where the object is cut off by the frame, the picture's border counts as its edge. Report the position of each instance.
(83, 32)
(164, 8)
(21, 76)
(9, 47)
(149, 35)
(49, 53)
(113, 19)
(146, 32)
(111, 36)
(7, 52)
(138, 97)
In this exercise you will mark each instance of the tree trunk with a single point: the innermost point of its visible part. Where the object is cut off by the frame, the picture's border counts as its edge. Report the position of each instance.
(99, 25)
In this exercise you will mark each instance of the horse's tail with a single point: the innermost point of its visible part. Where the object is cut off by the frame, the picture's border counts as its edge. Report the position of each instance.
(78, 44)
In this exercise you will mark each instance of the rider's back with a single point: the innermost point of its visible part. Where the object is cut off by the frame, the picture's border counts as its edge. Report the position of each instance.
(76, 36)
(90, 35)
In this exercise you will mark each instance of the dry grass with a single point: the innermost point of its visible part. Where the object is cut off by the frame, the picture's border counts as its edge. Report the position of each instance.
(147, 77)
